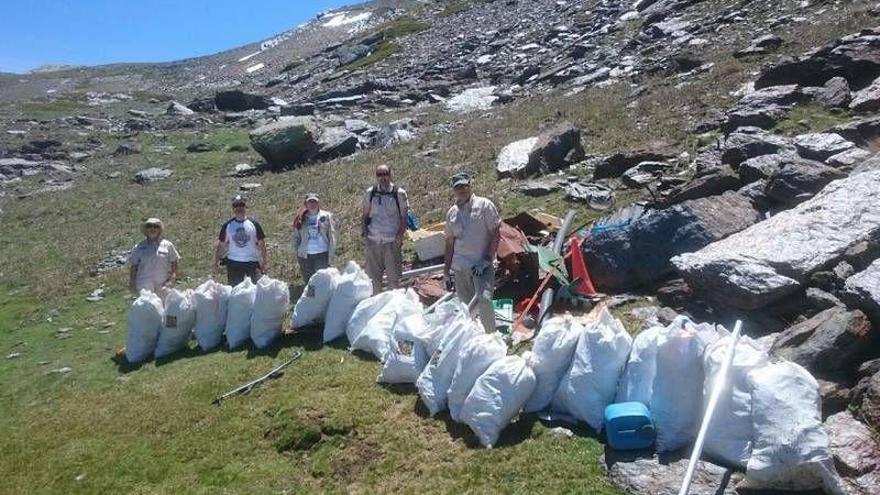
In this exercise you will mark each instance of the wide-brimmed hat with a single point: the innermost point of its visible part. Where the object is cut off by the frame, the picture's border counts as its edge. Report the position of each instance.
(150, 222)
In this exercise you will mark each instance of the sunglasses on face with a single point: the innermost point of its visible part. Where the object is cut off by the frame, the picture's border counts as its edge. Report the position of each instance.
(237, 205)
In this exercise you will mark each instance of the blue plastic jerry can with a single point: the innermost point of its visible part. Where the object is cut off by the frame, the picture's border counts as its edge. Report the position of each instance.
(628, 426)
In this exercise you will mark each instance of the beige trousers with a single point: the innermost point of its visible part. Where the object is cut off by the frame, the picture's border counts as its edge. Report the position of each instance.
(467, 285)
(384, 258)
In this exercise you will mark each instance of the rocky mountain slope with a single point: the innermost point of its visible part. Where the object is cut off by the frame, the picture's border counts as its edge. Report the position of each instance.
(732, 143)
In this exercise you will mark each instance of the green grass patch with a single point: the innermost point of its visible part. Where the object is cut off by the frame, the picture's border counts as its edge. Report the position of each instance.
(810, 118)
(383, 50)
(402, 26)
(51, 109)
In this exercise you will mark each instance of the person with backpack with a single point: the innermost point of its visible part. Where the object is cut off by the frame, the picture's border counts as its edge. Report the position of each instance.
(385, 212)
(243, 242)
(314, 237)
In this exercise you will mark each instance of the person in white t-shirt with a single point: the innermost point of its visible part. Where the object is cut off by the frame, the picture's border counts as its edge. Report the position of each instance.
(314, 237)
(244, 244)
(154, 261)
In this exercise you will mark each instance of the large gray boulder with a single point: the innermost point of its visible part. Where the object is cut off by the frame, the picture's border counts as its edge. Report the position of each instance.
(866, 399)
(615, 165)
(835, 93)
(751, 142)
(862, 290)
(834, 340)
(662, 475)
(773, 259)
(856, 453)
(800, 179)
(288, 141)
(513, 160)
(556, 149)
(239, 101)
(335, 142)
(867, 99)
(821, 145)
(854, 57)
(715, 182)
(640, 253)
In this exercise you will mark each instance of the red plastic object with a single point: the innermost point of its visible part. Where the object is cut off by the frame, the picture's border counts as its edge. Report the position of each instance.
(579, 269)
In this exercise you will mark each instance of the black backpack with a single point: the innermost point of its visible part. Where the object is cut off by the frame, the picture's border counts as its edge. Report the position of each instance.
(393, 192)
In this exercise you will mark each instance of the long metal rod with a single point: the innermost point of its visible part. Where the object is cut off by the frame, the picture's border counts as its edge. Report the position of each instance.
(561, 236)
(717, 387)
(425, 270)
(247, 387)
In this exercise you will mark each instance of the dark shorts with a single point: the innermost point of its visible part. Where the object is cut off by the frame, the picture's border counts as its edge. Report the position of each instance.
(236, 271)
(314, 262)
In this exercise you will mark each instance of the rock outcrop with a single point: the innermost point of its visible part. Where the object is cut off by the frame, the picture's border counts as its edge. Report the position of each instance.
(774, 258)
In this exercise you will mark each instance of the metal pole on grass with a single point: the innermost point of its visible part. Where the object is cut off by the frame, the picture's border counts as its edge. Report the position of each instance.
(717, 388)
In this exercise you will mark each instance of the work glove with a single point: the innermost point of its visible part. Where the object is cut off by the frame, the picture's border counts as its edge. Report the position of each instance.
(448, 283)
(481, 268)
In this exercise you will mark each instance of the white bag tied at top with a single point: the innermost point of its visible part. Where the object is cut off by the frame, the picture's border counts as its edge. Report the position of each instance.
(497, 397)
(375, 337)
(178, 324)
(476, 355)
(407, 357)
(144, 320)
(211, 300)
(311, 307)
(270, 305)
(790, 449)
(729, 437)
(369, 328)
(433, 383)
(591, 381)
(238, 313)
(637, 382)
(676, 401)
(551, 357)
(354, 286)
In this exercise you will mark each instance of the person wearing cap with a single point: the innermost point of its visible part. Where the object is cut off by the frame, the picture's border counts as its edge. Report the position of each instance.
(244, 243)
(154, 260)
(385, 209)
(314, 237)
(472, 234)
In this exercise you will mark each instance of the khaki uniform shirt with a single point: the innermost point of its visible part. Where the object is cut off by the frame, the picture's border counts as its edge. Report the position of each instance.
(472, 224)
(153, 261)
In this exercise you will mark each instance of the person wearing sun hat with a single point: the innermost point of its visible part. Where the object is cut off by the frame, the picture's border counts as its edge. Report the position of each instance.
(153, 261)
(314, 237)
(472, 234)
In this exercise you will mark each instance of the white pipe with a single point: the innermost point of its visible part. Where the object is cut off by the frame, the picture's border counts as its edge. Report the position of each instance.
(717, 388)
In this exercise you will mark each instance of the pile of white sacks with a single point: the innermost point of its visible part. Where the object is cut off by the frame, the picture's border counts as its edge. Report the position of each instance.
(768, 422)
(211, 312)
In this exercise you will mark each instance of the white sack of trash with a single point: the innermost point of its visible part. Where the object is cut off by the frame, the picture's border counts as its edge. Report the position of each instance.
(178, 323)
(239, 310)
(271, 299)
(144, 321)
(211, 300)
(353, 287)
(311, 307)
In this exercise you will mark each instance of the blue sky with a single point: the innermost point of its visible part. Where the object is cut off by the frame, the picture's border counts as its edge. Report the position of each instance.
(93, 32)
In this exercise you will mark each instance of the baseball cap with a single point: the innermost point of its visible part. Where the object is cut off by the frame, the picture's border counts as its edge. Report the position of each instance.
(461, 179)
(312, 197)
(238, 199)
